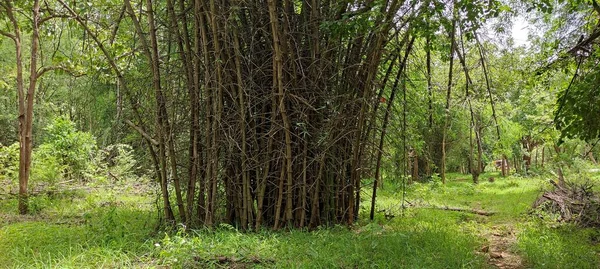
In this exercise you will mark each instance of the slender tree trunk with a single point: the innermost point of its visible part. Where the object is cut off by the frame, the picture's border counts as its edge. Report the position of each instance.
(27, 135)
(429, 102)
(162, 121)
(201, 49)
(488, 85)
(278, 76)
(247, 198)
(429, 84)
(448, 94)
(474, 166)
(415, 170)
(543, 154)
(141, 130)
(183, 45)
(23, 169)
(25, 99)
(479, 147)
(385, 123)
(505, 167)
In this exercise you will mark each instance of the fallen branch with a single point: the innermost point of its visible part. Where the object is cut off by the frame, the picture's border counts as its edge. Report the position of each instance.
(458, 209)
(113, 176)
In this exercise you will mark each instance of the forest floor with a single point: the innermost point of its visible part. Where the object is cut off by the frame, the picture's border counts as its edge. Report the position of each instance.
(112, 225)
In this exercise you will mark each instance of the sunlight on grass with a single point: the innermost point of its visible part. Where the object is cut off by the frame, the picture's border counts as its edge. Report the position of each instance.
(508, 198)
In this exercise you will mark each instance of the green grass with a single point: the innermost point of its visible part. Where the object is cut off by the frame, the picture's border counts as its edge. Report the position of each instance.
(561, 247)
(407, 243)
(509, 198)
(113, 227)
(77, 230)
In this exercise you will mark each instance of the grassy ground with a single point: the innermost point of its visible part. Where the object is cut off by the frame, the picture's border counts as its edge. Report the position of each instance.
(90, 227)
(112, 226)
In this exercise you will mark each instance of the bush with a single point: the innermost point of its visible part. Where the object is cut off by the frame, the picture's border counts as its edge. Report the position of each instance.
(46, 168)
(119, 161)
(72, 149)
(9, 161)
(67, 153)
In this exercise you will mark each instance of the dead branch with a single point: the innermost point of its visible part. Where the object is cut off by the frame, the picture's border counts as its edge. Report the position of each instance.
(459, 209)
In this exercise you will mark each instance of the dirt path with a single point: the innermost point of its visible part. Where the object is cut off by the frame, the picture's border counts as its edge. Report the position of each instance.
(500, 239)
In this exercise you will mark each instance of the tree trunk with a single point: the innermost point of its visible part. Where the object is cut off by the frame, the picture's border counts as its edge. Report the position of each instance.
(25, 98)
(505, 166)
(415, 170)
(162, 121)
(474, 166)
(385, 123)
(448, 94)
(543, 153)
(429, 83)
(278, 77)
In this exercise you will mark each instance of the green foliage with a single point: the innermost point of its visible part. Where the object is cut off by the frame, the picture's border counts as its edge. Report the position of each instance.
(579, 106)
(9, 161)
(71, 148)
(351, 24)
(119, 160)
(66, 154)
(47, 168)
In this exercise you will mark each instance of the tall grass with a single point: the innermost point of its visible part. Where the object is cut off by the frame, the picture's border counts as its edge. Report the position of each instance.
(560, 247)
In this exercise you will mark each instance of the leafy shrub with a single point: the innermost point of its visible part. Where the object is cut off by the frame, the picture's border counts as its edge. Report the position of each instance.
(46, 168)
(72, 149)
(9, 161)
(119, 161)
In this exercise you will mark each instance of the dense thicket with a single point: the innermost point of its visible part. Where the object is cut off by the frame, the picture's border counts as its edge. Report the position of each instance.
(281, 99)
(276, 98)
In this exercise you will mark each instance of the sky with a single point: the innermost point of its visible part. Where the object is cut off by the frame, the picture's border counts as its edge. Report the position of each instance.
(520, 31)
